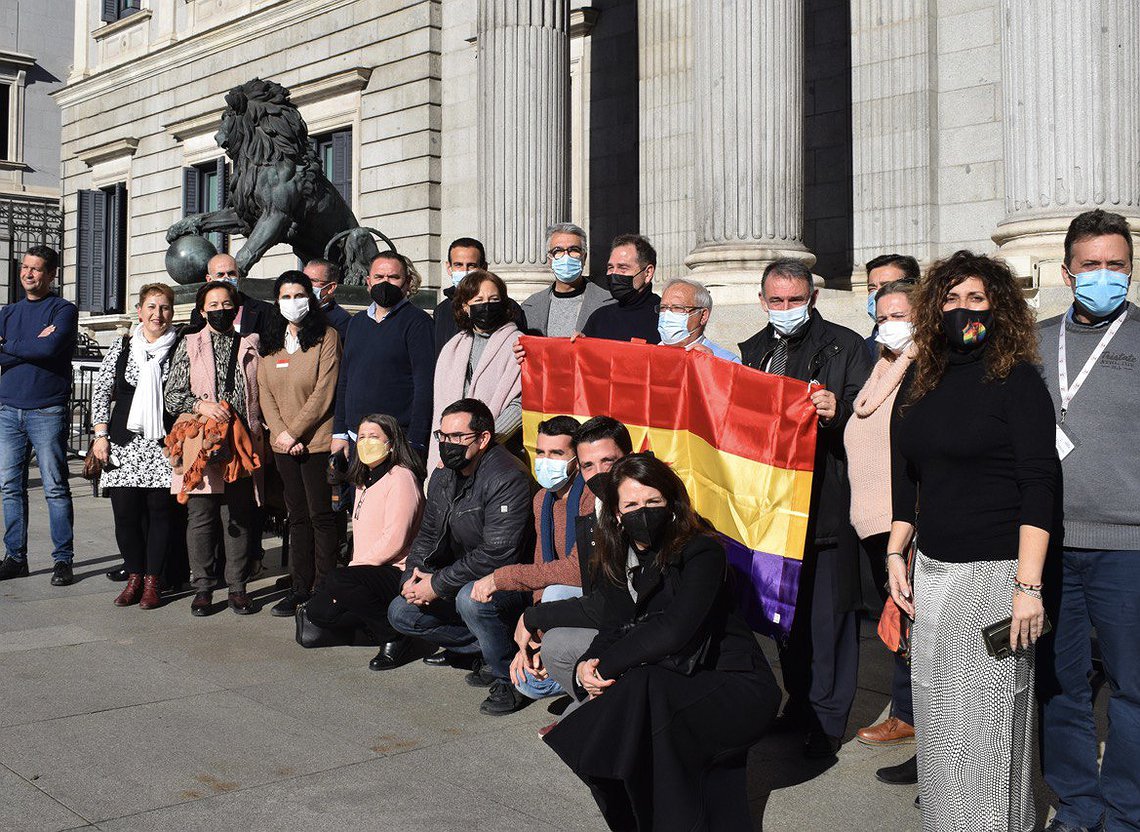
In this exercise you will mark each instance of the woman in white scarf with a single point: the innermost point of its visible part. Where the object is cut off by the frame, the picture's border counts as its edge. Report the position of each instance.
(127, 413)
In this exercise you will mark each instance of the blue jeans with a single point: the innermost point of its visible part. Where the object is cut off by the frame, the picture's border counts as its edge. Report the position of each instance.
(465, 626)
(534, 688)
(1099, 589)
(45, 430)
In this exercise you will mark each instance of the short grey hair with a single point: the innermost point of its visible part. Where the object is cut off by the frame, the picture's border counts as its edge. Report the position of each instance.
(701, 295)
(567, 228)
(789, 268)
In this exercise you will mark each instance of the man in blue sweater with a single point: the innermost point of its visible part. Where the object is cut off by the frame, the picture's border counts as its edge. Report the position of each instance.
(388, 364)
(37, 339)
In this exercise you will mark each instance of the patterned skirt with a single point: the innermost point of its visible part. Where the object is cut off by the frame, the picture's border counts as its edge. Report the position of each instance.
(975, 716)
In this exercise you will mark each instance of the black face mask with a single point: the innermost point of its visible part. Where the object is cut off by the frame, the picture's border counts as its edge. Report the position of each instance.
(386, 294)
(488, 316)
(453, 455)
(967, 329)
(647, 525)
(221, 320)
(621, 287)
(597, 484)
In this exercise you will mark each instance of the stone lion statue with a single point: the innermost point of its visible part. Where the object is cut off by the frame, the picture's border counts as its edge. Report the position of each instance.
(278, 192)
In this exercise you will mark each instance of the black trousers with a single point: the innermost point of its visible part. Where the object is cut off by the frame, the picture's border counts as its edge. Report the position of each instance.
(143, 522)
(357, 598)
(312, 526)
(902, 702)
(820, 662)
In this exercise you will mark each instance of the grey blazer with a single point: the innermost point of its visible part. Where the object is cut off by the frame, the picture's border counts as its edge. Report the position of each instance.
(537, 307)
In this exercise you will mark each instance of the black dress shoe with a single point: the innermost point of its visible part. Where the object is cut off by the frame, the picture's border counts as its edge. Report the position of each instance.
(449, 658)
(287, 606)
(12, 568)
(904, 774)
(503, 699)
(821, 746)
(393, 654)
(119, 574)
(61, 574)
(201, 604)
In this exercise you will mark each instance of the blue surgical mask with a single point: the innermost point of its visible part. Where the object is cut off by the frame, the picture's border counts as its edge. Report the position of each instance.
(1100, 292)
(788, 321)
(673, 327)
(551, 474)
(871, 305)
(457, 276)
(567, 269)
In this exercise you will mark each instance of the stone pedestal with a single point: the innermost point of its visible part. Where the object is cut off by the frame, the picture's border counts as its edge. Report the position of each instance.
(524, 135)
(748, 98)
(1071, 108)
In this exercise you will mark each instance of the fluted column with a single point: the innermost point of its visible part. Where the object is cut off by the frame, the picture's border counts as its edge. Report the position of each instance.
(748, 92)
(524, 134)
(892, 118)
(1071, 108)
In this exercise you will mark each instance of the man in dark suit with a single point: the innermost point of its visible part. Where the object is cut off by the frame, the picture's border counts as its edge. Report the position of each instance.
(252, 313)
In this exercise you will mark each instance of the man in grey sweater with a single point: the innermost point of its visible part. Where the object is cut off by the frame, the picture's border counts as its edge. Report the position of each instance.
(1091, 362)
(563, 307)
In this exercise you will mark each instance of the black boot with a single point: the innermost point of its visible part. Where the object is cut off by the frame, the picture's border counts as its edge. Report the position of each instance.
(393, 654)
(904, 774)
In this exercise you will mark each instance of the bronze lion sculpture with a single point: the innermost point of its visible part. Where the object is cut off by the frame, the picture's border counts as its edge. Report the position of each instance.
(278, 192)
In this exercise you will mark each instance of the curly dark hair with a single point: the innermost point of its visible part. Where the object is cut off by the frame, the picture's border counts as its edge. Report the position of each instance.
(612, 543)
(310, 331)
(400, 453)
(468, 288)
(1015, 329)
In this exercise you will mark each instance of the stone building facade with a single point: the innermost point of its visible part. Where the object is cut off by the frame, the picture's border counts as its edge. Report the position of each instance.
(35, 52)
(728, 132)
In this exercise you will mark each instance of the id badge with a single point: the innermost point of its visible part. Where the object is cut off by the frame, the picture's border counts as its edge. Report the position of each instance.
(1065, 445)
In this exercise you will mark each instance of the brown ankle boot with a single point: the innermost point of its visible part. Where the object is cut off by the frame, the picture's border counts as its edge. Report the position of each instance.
(150, 597)
(131, 592)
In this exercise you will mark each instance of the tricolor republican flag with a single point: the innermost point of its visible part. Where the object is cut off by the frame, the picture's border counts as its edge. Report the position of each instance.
(742, 441)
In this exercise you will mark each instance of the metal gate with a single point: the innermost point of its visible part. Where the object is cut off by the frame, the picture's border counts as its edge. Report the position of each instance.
(23, 224)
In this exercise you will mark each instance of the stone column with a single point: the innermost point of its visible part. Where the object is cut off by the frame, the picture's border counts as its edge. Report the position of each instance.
(748, 94)
(1071, 110)
(893, 117)
(524, 134)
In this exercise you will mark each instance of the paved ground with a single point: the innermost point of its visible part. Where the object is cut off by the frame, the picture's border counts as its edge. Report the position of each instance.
(131, 720)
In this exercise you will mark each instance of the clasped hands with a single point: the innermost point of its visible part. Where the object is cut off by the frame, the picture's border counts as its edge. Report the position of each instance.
(418, 589)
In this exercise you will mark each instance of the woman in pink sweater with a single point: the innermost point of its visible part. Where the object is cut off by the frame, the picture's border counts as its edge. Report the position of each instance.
(388, 476)
(868, 443)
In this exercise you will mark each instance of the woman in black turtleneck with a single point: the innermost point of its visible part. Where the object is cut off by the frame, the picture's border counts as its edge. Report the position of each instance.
(975, 469)
(676, 686)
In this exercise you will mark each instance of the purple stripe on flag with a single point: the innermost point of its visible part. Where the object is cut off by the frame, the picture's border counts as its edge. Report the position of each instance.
(766, 588)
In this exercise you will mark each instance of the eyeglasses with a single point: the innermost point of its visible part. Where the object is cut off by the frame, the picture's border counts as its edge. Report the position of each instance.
(684, 310)
(454, 438)
(573, 251)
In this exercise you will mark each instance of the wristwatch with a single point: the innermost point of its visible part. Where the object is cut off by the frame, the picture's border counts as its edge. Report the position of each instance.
(102, 434)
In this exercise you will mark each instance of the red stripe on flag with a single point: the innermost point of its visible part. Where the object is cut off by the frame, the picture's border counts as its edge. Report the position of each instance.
(734, 408)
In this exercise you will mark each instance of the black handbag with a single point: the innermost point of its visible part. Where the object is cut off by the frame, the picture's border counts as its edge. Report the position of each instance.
(314, 635)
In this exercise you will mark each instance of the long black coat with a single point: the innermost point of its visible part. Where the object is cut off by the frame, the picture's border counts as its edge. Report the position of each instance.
(661, 749)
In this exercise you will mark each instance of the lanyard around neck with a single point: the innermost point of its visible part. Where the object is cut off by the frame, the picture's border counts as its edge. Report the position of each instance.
(1067, 392)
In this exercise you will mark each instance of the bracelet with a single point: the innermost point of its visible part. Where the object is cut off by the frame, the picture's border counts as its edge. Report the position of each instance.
(1024, 585)
(102, 434)
(889, 555)
(1032, 593)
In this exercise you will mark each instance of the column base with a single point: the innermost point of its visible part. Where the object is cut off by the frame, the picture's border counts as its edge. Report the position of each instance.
(1035, 248)
(522, 280)
(732, 271)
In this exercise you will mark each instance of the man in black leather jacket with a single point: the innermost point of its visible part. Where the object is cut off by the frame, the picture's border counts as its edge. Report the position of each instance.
(820, 662)
(478, 517)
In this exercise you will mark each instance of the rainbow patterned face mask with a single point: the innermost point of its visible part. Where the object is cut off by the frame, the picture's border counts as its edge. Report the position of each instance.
(967, 329)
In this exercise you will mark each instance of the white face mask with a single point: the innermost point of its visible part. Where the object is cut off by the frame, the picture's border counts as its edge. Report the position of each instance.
(896, 336)
(788, 321)
(293, 309)
(457, 276)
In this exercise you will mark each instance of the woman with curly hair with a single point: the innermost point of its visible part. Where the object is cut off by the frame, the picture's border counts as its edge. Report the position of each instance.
(975, 468)
(297, 378)
(676, 687)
